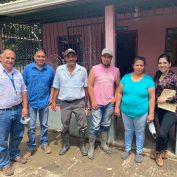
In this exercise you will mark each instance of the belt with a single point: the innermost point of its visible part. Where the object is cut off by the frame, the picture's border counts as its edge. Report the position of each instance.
(72, 101)
(13, 107)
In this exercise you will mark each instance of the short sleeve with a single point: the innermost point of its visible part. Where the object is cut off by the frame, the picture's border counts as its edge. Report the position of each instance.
(151, 83)
(23, 86)
(85, 78)
(123, 80)
(56, 83)
(52, 77)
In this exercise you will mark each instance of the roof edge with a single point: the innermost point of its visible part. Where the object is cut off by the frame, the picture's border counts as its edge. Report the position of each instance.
(26, 6)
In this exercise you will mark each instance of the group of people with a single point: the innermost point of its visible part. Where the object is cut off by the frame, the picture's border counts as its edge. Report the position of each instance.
(103, 94)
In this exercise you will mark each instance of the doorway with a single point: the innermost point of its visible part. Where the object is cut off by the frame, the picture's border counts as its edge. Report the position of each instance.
(126, 51)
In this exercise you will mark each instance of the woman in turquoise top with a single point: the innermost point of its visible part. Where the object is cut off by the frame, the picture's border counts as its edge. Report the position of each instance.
(136, 100)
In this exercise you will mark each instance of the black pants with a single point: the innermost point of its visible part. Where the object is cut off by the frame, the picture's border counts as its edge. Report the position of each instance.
(166, 120)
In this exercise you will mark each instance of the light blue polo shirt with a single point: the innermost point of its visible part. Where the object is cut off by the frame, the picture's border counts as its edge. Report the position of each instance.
(135, 97)
(71, 87)
(39, 83)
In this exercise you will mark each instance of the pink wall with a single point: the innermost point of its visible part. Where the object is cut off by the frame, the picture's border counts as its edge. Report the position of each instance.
(90, 29)
(151, 37)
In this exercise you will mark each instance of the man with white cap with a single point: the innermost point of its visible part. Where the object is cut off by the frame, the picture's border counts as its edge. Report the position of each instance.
(70, 85)
(102, 80)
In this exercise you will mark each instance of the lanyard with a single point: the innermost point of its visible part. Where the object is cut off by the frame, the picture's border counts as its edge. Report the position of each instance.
(12, 80)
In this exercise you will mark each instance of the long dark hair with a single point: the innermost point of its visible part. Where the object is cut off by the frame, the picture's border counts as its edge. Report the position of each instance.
(157, 75)
(164, 55)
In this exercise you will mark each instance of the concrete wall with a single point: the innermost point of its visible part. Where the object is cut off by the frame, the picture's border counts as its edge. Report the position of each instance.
(54, 122)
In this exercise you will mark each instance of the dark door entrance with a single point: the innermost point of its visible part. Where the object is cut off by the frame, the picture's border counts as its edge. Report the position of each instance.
(126, 51)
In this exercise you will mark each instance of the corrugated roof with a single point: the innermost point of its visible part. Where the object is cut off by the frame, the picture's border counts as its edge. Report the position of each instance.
(44, 11)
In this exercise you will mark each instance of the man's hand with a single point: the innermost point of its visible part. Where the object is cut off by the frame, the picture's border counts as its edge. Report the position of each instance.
(117, 111)
(24, 112)
(50, 102)
(53, 106)
(94, 105)
(113, 100)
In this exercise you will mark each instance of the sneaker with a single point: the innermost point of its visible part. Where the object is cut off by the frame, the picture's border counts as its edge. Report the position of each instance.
(20, 160)
(138, 158)
(28, 154)
(8, 171)
(159, 159)
(125, 155)
(46, 149)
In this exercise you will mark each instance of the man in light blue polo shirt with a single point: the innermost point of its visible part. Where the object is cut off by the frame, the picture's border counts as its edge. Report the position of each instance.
(70, 85)
(38, 77)
(12, 95)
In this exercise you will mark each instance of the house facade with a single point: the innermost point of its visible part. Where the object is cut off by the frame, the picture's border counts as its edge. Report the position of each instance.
(140, 27)
(133, 27)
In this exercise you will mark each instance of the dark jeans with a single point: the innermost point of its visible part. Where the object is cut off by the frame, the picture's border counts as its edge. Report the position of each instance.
(166, 120)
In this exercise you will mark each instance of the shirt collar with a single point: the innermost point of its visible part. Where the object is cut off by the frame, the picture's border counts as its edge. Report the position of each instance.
(35, 66)
(3, 69)
(64, 67)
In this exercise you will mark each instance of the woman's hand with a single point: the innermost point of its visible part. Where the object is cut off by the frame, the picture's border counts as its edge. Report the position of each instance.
(150, 117)
(161, 100)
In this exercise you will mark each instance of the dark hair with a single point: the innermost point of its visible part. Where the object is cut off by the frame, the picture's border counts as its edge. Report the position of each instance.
(164, 56)
(139, 58)
(157, 75)
(40, 49)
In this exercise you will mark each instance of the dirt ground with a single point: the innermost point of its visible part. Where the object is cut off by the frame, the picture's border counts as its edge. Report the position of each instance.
(73, 164)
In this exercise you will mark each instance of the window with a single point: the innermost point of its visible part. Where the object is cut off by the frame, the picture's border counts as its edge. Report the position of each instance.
(74, 42)
(171, 44)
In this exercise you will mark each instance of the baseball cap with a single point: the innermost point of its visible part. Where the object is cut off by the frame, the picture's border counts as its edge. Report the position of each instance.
(107, 51)
(69, 51)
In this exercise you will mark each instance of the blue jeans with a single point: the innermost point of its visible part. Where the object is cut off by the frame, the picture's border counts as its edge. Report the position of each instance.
(101, 118)
(43, 119)
(9, 145)
(134, 124)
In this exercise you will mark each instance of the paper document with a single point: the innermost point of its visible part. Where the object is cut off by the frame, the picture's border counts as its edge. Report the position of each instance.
(166, 93)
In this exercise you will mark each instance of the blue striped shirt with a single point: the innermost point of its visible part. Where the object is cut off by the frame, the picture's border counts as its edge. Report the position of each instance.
(39, 83)
(71, 87)
(10, 95)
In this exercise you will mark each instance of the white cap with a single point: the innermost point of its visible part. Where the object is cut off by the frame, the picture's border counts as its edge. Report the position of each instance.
(107, 51)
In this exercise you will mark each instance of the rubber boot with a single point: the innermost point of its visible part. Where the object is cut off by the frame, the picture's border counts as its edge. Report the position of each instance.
(103, 139)
(83, 147)
(92, 139)
(66, 145)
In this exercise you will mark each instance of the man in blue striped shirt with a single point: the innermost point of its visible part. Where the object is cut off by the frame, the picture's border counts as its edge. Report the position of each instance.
(12, 95)
(38, 77)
